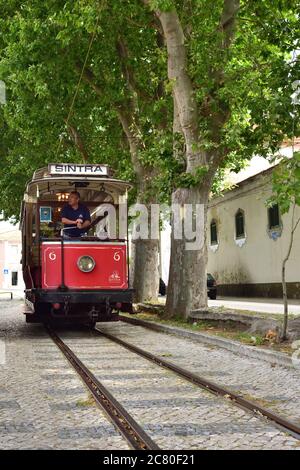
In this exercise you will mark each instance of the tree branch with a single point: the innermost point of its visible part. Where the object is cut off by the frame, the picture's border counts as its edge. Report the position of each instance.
(227, 28)
(182, 85)
(89, 77)
(77, 140)
(126, 121)
(227, 21)
(178, 148)
(125, 116)
(123, 54)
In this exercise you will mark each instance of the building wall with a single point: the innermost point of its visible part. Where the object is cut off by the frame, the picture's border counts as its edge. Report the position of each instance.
(2, 260)
(10, 256)
(12, 252)
(252, 266)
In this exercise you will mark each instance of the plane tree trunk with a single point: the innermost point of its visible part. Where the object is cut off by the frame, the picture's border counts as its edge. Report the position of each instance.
(145, 251)
(187, 289)
(187, 276)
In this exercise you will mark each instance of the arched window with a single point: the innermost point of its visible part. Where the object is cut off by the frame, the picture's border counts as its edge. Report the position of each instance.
(273, 217)
(213, 233)
(240, 224)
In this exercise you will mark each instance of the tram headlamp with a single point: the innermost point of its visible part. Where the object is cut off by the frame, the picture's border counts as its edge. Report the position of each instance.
(86, 263)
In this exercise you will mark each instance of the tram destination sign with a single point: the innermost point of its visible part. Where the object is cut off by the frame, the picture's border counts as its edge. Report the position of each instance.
(71, 169)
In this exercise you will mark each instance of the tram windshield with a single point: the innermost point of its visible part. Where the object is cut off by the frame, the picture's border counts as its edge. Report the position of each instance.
(104, 217)
(47, 195)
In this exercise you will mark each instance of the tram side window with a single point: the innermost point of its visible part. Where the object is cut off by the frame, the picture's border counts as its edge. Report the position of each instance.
(33, 225)
(49, 216)
(46, 230)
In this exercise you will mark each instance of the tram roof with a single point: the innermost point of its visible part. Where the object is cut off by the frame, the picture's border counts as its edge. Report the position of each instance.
(83, 177)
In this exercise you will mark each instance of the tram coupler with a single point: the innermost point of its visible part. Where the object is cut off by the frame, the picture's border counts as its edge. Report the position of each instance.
(66, 308)
(108, 308)
(93, 314)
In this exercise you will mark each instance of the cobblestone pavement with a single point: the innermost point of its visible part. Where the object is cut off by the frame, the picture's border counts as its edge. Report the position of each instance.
(44, 405)
(176, 414)
(274, 386)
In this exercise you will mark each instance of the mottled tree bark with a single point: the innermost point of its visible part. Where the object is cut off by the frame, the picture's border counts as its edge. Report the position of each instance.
(146, 252)
(187, 277)
(146, 272)
(187, 289)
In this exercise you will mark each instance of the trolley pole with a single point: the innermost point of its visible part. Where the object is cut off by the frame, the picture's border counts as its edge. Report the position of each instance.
(62, 258)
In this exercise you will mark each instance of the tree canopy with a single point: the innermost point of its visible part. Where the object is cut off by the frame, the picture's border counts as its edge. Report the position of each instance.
(43, 48)
(168, 93)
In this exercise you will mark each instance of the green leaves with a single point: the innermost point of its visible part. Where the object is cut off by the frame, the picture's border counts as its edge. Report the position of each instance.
(163, 5)
(286, 183)
(251, 84)
(40, 52)
(189, 180)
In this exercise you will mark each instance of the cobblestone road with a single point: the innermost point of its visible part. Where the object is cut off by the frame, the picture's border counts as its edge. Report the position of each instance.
(277, 387)
(44, 405)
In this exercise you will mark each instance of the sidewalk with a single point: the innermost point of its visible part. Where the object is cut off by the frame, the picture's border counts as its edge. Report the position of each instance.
(253, 304)
(256, 304)
(18, 294)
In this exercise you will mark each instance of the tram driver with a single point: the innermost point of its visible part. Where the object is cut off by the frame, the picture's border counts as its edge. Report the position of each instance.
(75, 216)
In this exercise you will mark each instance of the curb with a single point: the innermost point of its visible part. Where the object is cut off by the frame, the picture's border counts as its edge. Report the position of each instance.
(272, 357)
(228, 315)
(214, 313)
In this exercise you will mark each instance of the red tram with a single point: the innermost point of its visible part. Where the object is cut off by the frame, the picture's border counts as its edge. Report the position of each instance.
(81, 279)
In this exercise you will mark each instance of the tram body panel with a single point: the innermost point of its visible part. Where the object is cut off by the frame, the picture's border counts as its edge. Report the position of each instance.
(110, 271)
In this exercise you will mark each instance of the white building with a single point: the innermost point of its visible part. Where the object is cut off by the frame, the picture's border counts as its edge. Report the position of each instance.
(247, 241)
(10, 256)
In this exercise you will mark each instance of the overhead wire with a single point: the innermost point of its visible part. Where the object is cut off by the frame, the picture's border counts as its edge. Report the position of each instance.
(81, 73)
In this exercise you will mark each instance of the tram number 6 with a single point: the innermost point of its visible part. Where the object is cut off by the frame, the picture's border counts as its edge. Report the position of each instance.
(117, 256)
(52, 256)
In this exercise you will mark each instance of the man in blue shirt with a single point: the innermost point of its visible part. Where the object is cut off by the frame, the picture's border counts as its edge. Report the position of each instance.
(75, 215)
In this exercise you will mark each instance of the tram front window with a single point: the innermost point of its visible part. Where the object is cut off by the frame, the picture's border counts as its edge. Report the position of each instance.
(75, 216)
(103, 225)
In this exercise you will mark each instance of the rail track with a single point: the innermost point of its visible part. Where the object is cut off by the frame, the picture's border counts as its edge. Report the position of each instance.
(283, 423)
(136, 437)
(134, 434)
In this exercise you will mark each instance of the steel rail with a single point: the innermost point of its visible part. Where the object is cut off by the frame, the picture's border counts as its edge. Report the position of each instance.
(134, 434)
(289, 426)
